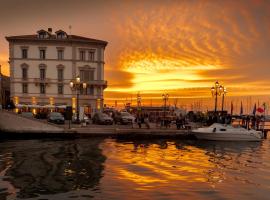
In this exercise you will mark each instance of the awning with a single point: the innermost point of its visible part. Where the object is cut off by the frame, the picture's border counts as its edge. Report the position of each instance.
(61, 106)
(27, 106)
(48, 106)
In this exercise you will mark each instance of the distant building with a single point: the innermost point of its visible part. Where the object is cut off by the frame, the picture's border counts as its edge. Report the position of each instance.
(42, 66)
(4, 90)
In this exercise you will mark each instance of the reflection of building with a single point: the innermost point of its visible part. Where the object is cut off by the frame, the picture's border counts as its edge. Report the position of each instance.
(4, 89)
(42, 65)
(55, 167)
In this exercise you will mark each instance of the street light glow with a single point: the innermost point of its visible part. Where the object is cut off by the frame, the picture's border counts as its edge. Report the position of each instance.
(71, 84)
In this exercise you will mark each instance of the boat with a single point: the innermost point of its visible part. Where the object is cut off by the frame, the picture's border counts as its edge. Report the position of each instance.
(224, 132)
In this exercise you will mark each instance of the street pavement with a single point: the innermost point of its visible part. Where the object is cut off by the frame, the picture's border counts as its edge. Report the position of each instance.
(12, 122)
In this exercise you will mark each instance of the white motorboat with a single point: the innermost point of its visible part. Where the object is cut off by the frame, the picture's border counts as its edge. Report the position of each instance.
(225, 132)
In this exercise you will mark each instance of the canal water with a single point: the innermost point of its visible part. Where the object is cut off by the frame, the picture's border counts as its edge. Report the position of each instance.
(151, 169)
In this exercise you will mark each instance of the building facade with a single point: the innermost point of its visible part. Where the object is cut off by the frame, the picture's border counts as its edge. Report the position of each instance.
(4, 90)
(42, 66)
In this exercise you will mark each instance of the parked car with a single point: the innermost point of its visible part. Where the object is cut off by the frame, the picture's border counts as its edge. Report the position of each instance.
(102, 118)
(27, 114)
(41, 115)
(85, 119)
(124, 118)
(56, 117)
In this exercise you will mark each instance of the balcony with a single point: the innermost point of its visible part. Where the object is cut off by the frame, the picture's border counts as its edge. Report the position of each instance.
(38, 81)
(98, 83)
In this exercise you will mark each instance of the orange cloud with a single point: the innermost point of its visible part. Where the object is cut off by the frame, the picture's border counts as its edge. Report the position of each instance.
(177, 49)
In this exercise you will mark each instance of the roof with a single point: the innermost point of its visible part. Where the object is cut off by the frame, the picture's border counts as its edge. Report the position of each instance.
(70, 38)
(60, 31)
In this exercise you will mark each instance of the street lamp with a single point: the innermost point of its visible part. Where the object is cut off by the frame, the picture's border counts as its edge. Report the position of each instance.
(165, 98)
(224, 91)
(77, 85)
(216, 91)
(138, 102)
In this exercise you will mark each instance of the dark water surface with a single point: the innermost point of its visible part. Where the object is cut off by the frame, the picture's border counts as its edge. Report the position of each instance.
(156, 169)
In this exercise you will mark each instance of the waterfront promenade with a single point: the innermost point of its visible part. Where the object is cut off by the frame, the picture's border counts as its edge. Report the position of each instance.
(14, 125)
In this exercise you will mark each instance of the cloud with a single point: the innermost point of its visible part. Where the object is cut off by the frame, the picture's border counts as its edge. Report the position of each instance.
(157, 46)
(223, 40)
(118, 79)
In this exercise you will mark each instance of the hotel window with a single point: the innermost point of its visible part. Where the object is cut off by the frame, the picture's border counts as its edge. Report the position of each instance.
(90, 90)
(87, 75)
(60, 74)
(91, 55)
(82, 55)
(42, 73)
(82, 91)
(98, 91)
(24, 73)
(42, 54)
(24, 53)
(61, 35)
(60, 54)
(42, 88)
(25, 88)
(60, 88)
(42, 35)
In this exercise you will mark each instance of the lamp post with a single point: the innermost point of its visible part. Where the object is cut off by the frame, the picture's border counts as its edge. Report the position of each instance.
(77, 85)
(216, 91)
(138, 102)
(224, 91)
(165, 98)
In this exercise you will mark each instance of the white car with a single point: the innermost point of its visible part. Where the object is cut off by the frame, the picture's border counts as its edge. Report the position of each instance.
(85, 119)
(127, 118)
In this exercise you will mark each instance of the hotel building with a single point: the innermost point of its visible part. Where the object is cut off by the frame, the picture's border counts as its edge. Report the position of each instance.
(42, 66)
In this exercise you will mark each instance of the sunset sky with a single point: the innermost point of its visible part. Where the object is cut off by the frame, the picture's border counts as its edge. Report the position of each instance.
(156, 46)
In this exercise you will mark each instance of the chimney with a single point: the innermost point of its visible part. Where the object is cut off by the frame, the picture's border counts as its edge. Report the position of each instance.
(50, 30)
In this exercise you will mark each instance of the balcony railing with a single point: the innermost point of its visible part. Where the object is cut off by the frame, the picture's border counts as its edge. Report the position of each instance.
(46, 81)
(98, 83)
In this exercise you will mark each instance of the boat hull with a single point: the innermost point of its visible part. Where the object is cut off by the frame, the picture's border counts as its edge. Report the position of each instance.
(226, 137)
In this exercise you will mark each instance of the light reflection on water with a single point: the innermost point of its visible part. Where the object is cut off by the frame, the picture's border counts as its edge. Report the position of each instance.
(152, 169)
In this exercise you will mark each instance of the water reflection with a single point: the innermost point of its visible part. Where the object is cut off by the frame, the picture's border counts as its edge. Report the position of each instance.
(149, 169)
(51, 167)
(159, 163)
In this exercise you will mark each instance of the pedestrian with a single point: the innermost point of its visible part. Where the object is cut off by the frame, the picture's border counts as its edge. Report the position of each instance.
(139, 121)
(157, 121)
(178, 123)
(146, 121)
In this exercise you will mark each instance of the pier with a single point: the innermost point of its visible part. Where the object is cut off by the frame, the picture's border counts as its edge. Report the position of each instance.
(14, 126)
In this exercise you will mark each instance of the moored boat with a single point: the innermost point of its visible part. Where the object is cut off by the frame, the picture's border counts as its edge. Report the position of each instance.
(225, 132)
